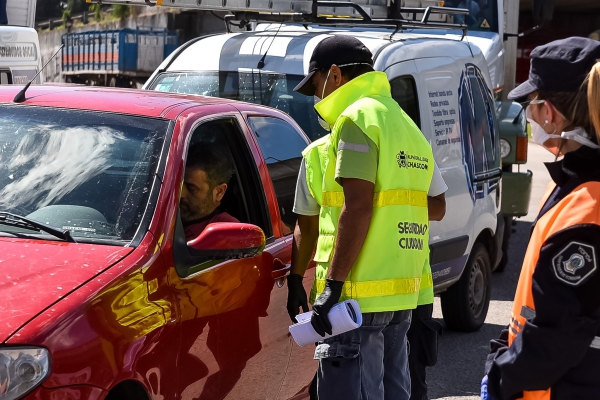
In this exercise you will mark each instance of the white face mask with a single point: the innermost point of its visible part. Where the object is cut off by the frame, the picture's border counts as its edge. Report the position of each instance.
(322, 122)
(540, 136)
(580, 136)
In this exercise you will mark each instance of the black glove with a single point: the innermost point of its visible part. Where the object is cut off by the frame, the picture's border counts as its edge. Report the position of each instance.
(329, 298)
(296, 296)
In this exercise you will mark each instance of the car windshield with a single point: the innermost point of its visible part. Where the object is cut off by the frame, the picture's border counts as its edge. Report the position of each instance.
(483, 14)
(253, 86)
(86, 172)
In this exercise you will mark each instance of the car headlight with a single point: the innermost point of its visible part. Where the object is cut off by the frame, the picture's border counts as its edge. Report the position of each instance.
(22, 369)
(504, 148)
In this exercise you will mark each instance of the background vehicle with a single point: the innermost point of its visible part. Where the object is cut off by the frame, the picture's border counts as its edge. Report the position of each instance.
(19, 44)
(121, 307)
(437, 81)
(116, 58)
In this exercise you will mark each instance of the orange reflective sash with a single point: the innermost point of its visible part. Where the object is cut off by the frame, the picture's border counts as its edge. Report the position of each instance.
(570, 211)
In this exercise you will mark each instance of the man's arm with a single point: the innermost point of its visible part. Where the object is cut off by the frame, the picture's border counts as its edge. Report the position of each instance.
(353, 226)
(306, 234)
(436, 207)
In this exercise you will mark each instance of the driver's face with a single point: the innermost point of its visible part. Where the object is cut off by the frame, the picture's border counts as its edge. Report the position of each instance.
(198, 199)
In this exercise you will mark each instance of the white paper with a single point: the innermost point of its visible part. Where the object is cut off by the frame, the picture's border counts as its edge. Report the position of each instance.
(344, 317)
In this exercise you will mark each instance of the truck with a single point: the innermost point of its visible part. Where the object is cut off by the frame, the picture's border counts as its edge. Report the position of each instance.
(116, 58)
(20, 58)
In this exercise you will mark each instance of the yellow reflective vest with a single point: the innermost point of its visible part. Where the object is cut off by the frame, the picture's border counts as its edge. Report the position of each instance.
(392, 270)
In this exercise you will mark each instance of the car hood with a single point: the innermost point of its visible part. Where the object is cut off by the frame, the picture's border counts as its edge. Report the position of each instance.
(36, 273)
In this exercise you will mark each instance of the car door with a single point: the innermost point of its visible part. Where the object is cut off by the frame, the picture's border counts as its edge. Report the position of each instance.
(281, 143)
(426, 90)
(234, 341)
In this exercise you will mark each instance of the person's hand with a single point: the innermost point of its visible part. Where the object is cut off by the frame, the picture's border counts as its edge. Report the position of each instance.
(330, 297)
(484, 389)
(296, 296)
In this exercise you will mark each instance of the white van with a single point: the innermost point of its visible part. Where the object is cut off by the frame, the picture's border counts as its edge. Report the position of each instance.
(20, 56)
(442, 83)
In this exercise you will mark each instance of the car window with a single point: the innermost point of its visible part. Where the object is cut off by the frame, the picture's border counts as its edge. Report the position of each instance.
(244, 198)
(404, 91)
(252, 86)
(282, 148)
(87, 172)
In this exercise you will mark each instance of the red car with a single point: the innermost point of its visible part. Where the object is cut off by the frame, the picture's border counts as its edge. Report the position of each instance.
(101, 297)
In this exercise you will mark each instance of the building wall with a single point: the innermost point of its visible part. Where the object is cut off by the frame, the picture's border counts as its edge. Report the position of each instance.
(564, 24)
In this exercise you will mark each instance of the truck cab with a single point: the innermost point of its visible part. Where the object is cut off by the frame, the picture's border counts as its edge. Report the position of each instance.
(20, 56)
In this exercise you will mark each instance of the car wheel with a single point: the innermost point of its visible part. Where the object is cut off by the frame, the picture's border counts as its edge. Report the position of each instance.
(465, 304)
(508, 224)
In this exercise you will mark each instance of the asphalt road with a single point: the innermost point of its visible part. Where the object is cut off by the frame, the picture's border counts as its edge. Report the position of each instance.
(461, 358)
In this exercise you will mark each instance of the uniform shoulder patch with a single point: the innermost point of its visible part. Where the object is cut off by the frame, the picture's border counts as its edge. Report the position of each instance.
(575, 263)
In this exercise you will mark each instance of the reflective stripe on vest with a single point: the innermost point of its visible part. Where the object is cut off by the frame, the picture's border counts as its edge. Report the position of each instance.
(566, 213)
(394, 197)
(388, 287)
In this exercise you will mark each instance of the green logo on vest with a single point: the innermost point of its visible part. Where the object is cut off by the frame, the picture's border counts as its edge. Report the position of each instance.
(406, 160)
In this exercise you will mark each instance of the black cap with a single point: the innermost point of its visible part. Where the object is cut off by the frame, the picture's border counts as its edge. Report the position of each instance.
(340, 50)
(559, 66)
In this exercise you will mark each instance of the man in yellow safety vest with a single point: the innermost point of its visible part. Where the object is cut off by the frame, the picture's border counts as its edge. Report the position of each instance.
(362, 200)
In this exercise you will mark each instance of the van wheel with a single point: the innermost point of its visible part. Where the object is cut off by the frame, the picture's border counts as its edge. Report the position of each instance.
(465, 304)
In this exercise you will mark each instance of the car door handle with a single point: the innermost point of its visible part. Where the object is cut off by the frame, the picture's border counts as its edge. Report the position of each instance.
(281, 272)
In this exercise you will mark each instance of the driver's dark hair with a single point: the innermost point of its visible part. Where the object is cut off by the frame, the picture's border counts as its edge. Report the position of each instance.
(210, 159)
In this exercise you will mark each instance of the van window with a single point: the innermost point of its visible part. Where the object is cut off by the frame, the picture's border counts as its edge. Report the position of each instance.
(404, 91)
(478, 125)
(252, 86)
(282, 148)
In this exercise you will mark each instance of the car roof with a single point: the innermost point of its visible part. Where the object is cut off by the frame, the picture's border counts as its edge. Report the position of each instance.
(289, 52)
(93, 98)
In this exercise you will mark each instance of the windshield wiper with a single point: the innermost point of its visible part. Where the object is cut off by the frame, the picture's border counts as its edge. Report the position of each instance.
(7, 218)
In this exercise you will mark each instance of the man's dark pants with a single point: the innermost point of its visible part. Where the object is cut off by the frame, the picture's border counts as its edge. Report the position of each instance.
(422, 339)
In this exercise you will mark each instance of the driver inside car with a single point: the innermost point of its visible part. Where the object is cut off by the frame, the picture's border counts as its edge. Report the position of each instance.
(207, 174)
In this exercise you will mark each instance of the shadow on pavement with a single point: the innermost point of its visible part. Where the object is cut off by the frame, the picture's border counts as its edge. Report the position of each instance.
(461, 357)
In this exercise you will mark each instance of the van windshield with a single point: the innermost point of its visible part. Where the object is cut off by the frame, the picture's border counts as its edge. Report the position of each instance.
(87, 172)
(483, 14)
(266, 88)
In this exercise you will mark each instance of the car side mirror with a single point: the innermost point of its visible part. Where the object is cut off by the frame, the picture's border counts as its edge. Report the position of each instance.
(228, 241)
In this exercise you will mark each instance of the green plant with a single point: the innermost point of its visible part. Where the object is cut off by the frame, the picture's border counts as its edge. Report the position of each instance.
(66, 16)
(97, 10)
(120, 11)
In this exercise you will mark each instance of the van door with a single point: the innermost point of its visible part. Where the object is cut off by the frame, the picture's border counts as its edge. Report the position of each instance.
(427, 91)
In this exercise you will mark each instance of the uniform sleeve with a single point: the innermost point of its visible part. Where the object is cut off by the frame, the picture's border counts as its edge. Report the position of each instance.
(304, 202)
(567, 316)
(438, 186)
(357, 154)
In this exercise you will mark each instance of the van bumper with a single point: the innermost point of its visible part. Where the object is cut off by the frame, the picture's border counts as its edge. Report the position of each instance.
(516, 192)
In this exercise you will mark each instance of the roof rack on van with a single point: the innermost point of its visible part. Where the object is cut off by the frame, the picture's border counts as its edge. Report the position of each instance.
(374, 13)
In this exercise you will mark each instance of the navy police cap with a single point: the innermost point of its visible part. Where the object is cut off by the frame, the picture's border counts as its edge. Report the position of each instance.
(559, 66)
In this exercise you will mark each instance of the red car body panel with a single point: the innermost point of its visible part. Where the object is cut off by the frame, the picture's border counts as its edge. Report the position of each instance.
(129, 317)
(37, 273)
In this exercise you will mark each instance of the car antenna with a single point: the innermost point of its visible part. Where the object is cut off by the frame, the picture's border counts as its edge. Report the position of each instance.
(20, 97)
(261, 63)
